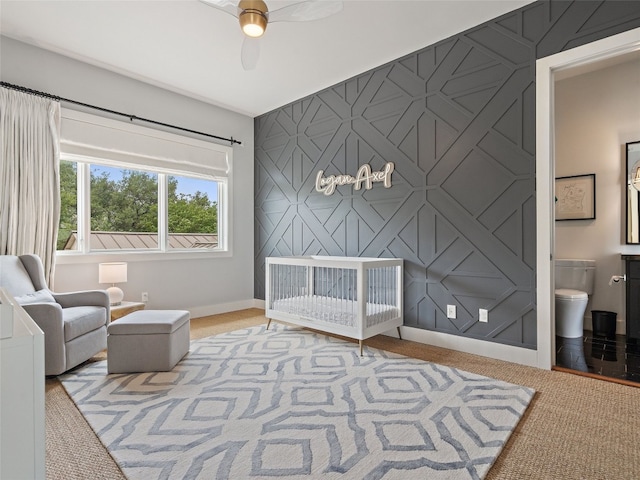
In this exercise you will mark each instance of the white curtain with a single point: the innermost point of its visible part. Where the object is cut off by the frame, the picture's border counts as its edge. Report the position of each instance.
(29, 176)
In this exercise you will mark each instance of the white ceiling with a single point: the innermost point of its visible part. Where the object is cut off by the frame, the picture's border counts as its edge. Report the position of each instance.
(188, 47)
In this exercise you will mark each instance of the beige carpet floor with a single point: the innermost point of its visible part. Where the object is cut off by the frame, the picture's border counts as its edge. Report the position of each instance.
(575, 428)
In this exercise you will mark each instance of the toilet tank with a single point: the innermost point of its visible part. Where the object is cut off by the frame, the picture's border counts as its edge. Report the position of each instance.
(575, 274)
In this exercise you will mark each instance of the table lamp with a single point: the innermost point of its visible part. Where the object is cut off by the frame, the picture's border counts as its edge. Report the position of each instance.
(113, 272)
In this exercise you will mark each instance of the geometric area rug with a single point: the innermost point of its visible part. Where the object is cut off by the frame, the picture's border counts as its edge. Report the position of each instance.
(289, 403)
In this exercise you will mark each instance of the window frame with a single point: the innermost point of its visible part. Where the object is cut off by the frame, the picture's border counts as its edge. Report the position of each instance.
(84, 254)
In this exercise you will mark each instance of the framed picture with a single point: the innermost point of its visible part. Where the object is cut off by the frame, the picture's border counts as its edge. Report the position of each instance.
(576, 197)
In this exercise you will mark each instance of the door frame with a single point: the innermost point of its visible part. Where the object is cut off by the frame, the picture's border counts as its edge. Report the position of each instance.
(546, 69)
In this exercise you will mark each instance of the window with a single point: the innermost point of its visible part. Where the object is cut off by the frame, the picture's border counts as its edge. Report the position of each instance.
(129, 188)
(123, 209)
(68, 228)
(125, 206)
(192, 209)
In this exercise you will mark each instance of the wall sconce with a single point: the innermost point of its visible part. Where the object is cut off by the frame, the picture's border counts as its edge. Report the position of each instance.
(113, 272)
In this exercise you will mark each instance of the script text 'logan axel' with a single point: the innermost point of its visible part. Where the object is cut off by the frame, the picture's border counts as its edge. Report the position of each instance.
(365, 176)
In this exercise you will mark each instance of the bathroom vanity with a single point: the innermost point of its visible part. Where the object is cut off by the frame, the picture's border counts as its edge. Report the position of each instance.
(632, 267)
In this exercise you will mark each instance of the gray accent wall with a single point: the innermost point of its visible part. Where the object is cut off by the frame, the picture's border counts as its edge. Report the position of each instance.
(458, 120)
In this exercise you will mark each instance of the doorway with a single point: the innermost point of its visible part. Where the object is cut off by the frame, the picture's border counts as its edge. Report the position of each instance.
(584, 58)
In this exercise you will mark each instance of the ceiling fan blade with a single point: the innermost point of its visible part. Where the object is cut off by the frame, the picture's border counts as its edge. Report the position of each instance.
(250, 52)
(227, 6)
(305, 11)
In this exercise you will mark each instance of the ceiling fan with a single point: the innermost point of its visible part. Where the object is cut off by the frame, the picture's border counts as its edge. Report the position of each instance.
(254, 16)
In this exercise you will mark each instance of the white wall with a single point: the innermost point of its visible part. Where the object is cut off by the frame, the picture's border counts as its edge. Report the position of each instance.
(596, 114)
(202, 285)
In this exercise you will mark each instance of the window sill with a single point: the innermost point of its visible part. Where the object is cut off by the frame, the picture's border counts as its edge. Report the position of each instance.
(71, 258)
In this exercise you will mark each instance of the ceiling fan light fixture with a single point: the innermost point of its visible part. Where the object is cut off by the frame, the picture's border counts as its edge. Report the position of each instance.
(253, 22)
(254, 15)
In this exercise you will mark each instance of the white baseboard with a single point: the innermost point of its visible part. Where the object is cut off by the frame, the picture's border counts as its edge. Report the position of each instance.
(225, 307)
(523, 356)
(508, 353)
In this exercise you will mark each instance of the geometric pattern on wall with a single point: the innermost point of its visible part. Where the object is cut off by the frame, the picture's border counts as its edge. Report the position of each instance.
(458, 120)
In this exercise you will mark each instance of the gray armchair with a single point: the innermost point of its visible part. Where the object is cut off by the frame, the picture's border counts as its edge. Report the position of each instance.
(74, 324)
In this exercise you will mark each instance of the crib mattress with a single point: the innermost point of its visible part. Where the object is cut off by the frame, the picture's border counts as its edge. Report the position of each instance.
(335, 310)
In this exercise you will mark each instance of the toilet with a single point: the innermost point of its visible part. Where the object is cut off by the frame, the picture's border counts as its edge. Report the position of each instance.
(574, 281)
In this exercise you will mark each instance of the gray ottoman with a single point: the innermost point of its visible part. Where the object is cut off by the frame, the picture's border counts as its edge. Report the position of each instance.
(147, 341)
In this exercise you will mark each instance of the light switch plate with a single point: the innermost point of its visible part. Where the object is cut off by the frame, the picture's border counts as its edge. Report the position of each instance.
(484, 315)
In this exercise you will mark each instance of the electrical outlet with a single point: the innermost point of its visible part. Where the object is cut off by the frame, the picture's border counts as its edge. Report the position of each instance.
(484, 315)
(451, 311)
(145, 296)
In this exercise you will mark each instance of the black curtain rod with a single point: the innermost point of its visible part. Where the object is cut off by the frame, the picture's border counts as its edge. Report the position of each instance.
(130, 117)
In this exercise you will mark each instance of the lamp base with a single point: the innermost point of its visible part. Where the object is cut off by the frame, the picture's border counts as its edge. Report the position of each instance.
(115, 296)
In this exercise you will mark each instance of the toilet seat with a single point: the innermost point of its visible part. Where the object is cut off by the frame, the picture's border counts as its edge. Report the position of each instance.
(569, 294)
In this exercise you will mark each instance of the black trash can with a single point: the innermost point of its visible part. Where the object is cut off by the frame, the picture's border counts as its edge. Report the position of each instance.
(604, 323)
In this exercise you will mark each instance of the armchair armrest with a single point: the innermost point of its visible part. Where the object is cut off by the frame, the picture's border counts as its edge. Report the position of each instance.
(97, 298)
(48, 316)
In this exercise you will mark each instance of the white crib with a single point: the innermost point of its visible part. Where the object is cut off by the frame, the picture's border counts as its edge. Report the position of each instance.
(350, 296)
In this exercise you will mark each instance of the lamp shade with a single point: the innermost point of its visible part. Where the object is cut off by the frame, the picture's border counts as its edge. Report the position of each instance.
(112, 272)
